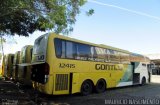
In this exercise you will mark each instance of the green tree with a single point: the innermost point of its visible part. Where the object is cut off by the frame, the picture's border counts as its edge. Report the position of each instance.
(23, 17)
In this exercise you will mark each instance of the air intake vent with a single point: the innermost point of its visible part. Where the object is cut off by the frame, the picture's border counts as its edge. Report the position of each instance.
(61, 82)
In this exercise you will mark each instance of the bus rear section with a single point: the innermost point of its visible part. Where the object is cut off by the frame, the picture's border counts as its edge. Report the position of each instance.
(24, 72)
(8, 69)
(1, 68)
(3, 64)
(40, 66)
(16, 61)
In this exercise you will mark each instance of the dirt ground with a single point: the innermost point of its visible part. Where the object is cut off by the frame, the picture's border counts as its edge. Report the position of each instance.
(12, 94)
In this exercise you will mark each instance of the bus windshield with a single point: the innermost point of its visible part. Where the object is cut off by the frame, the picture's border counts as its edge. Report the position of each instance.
(23, 53)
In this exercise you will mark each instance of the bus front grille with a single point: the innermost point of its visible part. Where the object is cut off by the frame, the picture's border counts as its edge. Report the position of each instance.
(61, 82)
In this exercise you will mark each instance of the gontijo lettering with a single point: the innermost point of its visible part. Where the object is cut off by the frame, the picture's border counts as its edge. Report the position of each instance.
(108, 67)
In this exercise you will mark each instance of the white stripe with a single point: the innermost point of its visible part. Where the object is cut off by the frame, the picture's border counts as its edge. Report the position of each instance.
(125, 84)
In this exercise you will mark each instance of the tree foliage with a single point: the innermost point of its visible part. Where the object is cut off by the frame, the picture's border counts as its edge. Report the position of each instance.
(23, 17)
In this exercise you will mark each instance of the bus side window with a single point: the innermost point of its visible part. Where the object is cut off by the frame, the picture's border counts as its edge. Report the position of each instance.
(93, 52)
(124, 57)
(70, 50)
(114, 56)
(83, 51)
(100, 53)
(107, 55)
(58, 48)
(63, 55)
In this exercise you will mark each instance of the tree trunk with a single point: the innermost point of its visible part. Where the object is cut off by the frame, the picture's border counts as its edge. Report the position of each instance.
(2, 46)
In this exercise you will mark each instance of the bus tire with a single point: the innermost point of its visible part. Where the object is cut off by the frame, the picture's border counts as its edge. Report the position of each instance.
(143, 81)
(100, 86)
(86, 87)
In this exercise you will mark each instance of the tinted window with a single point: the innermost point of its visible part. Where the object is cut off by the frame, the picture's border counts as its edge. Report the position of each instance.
(101, 54)
(124, 58)
(40, 45)
(40, 48)
(65, 49)
(15, 58)
(23, 54)
(58, 47)
(63, 55)
(114, 56)
(83, 50)
(111, 51)
(74, 50)
(70, 50)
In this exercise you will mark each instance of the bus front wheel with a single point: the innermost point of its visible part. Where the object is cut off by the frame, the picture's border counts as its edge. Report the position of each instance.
(100, 86)
(86, 87)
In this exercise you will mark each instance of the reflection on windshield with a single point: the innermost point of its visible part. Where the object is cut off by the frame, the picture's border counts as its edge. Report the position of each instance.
(23, 52)
(40, 47)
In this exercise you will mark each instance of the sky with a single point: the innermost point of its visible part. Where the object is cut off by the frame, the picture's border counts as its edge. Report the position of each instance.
(133, 25)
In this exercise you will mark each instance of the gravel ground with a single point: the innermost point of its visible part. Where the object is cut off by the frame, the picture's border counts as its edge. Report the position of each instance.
(11, 94)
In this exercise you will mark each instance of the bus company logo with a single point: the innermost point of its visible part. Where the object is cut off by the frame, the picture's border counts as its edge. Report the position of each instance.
(108, 67)
(40, 57)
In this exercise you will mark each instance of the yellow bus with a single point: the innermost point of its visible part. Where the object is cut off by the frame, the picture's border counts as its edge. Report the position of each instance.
(15, 66)
(3, 64)
(24, 72)
(63, 65)
(8, 66)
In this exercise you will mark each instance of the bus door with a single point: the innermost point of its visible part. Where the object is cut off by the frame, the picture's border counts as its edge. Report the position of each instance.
(136, 76)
